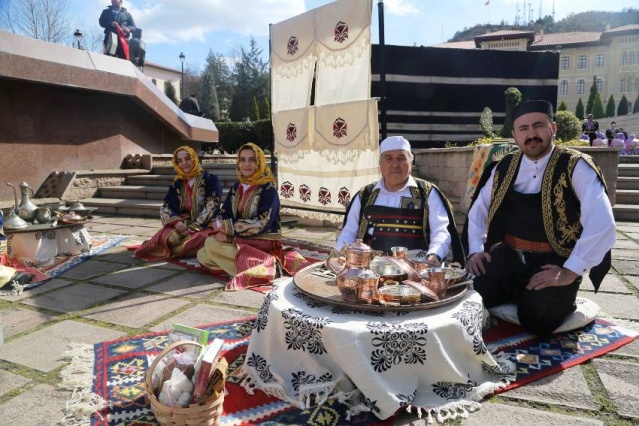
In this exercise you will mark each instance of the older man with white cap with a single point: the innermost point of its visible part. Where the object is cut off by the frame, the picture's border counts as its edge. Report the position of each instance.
(400, 210)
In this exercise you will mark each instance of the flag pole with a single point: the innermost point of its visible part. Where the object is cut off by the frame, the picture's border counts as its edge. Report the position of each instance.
(382, 69)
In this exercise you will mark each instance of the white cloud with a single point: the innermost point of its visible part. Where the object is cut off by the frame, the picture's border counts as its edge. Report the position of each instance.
(176, 21)
(400, 7)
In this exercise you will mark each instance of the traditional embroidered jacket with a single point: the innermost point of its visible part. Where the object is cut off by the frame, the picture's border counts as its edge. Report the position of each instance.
(412, 220)
(252, 212)
(201, 203)
(560, 206)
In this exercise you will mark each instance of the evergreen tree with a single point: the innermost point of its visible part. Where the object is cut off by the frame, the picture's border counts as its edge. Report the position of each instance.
(251, 80)
(635, 109)
(217, 65)
(169, 91)
(610, 107)
(255, 110)
(579, 110)
(622, 109)
(513, 97)
(209, 104)
(265, 108)
(486, 122)
(597, 108)
(592, 96)
(562, 106)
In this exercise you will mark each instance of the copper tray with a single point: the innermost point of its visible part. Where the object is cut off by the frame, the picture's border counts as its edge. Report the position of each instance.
(317, 282)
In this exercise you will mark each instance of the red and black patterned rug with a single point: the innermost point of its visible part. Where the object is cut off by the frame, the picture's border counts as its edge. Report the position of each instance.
(120, 366)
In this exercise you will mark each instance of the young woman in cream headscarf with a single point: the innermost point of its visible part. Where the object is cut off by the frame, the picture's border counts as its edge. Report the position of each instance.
(247, 240)
(190, 205)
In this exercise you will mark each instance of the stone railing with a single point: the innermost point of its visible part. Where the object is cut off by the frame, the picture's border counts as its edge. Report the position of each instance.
(448, 168)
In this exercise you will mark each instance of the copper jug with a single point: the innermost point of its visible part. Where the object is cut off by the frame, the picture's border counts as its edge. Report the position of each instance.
(348, 263)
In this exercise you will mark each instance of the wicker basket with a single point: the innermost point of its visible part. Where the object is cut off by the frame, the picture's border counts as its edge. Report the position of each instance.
(209, 413)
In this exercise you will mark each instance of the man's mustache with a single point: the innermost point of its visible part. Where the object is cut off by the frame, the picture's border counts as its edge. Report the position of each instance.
(535, 139)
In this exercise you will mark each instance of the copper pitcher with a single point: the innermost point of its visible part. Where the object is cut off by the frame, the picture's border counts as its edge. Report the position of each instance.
(348, 263)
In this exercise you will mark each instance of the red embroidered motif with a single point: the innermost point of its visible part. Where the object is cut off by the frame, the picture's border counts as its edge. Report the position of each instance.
(287, 190)
(324, 196)
(292, 45)
(291, 132)
(341, 32)
(305, 193)
(344, 196)
(339, 127)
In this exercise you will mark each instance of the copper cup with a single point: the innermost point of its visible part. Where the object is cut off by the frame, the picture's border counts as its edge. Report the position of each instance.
(367, 287)
(437, 281)
(399, 252)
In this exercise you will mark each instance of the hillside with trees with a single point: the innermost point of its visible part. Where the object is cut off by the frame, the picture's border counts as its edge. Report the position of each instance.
(585, 21)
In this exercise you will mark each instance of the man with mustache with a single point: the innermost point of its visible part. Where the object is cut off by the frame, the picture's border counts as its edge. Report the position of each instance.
(540, 219)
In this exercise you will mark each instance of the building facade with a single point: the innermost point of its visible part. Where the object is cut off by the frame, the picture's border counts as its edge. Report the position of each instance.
(610, 58)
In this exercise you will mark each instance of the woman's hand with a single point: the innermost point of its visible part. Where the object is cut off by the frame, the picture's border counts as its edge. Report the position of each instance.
(182, 228)
(221, 237)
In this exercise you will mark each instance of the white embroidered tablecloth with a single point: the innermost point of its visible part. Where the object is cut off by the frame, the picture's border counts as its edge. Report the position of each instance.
(41, 247)
(304, 351)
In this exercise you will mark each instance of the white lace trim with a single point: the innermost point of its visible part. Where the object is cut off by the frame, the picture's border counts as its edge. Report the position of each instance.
(345, 57)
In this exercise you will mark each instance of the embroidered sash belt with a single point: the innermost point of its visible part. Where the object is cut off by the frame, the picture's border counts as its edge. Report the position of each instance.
(526, 245)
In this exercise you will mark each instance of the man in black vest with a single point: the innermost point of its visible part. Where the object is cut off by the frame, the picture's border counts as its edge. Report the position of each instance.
(400, 210)
(540, 219)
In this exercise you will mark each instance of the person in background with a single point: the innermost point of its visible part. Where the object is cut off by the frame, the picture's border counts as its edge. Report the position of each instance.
(600, 141)
(190, 205)
(426, 215)
(190, 105)
(112, 18)
(590, 127)
(539, 220)
(246, 241)
(611, 132)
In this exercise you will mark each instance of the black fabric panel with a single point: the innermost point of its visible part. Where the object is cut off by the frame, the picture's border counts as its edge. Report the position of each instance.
(445, 62)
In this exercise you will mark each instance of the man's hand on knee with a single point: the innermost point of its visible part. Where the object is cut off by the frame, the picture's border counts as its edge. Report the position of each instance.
(551, 276)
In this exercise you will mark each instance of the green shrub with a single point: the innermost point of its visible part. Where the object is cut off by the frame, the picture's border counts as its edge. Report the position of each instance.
(513, 98)
(622, 109)
(486, 122)
(568, 126)
(579, 110)
(234, 134)
(562, 106)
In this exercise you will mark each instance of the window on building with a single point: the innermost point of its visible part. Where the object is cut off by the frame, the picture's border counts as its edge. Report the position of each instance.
(624, 58)
(632, 58)
(581, 87)
(599, 85)
(599, 60)
(622, 85)
(563, 87)
(565, 62)
(582, 62)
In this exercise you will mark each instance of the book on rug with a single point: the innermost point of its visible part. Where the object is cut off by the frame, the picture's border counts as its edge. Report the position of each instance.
(184, 332)
(205, 366)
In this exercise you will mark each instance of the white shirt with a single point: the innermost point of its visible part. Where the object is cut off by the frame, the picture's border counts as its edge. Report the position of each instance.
(437, 217)
(598, 235)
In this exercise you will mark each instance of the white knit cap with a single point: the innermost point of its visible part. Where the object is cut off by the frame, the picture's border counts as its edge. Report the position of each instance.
(394, 142)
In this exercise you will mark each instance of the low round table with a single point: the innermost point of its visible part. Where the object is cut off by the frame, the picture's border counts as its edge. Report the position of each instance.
(40, 245)
(304, 351)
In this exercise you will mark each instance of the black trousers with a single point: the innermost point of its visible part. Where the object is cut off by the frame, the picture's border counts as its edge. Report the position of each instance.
(539, 311)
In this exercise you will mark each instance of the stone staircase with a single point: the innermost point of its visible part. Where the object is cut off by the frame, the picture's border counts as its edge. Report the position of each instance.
(626, 207)
(142, 194)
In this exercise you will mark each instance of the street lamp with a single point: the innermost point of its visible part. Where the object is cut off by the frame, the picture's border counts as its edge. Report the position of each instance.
(78, 37)
(182, 57)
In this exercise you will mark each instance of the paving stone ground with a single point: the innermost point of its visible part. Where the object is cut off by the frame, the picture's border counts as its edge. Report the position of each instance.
(116, 294)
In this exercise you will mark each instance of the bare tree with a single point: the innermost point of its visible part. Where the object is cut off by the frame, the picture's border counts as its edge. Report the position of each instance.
(40, 19)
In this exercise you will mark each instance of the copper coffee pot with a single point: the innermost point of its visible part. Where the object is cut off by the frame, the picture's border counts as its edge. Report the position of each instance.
(348, 263)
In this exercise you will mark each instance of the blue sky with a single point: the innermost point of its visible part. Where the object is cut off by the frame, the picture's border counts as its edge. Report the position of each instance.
(196, 26)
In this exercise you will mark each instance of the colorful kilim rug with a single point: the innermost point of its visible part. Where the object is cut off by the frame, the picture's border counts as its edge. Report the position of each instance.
(64, 264)
(120, 366)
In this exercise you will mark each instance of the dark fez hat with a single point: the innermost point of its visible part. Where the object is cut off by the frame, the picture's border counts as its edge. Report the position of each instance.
(527, 107)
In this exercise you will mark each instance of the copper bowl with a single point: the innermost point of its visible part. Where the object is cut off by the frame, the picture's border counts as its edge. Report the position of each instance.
(386, 270)
(402, 294)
